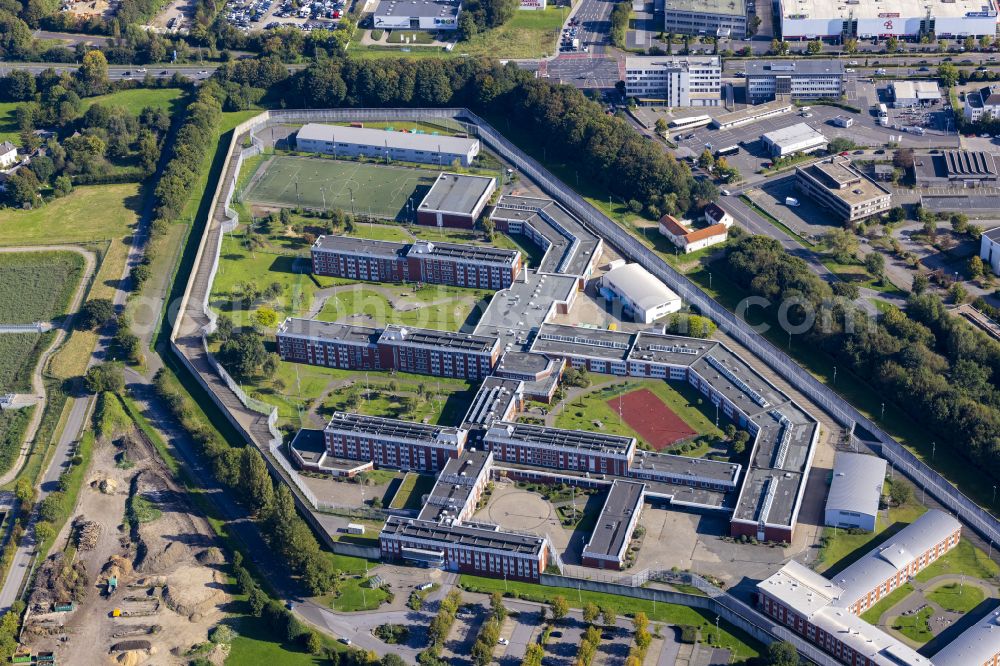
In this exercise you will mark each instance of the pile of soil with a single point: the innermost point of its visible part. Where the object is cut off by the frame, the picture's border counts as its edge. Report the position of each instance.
(193, 590)
(58, 580)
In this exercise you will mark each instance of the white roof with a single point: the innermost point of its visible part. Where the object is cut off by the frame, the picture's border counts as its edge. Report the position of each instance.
(799, 134)
(857, 483)
(904, 9)
(800, 588)
(377, 137)
(976, 645)
(869, 641)
(919, 90)
(638, 285)
(882, 563)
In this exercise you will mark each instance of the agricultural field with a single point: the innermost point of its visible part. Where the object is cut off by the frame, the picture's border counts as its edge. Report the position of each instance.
(18, 356)
(37, 286)
(388, 192)
(13, 423)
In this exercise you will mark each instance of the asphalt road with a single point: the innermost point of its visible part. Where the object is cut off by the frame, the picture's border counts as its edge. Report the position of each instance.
(595, 23)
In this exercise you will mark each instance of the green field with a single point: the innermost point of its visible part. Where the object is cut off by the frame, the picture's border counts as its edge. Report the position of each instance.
(137, 99)
(956, 597)
(916, 626)
(37, 286)
(352, 596)
(8, 123)
(411, 491)
(313, 182)
(90, 213)
(839, 548)
(872, 615)
(681, 398)
(446, 406)
(18, 355)
(433, 306)
(962, 560)
(13, 423)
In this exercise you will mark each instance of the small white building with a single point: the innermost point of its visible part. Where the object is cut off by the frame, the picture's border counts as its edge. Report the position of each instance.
(714, 214)
(799, 138)
(855, 491)
(910, 94)
(690, 240)
(8, 154)
(989, 249)
(640, 294)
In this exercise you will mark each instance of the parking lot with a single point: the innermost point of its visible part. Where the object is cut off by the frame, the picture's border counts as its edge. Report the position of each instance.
(249, 15)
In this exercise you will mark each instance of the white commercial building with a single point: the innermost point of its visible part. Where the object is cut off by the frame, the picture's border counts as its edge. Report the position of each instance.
(417, 14)
(794, 80)
(812, 19)
(989, 249)
(909, 94)
(715, 18)
(8, 154)
(982, 104)
(674, 80)
(640, 294)
(798, 138)
(855, 491)
(341, 141)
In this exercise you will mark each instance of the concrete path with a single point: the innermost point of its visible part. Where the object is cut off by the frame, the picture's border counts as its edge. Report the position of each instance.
(37, 384)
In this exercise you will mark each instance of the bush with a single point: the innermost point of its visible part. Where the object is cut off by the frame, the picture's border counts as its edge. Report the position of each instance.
(222, 634)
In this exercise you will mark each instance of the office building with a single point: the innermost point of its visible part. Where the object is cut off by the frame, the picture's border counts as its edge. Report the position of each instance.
(839, 187)
(794, 80)
(855, 491)
(830, 19)
(640, 295)
(417, 14)
(343, 141)
(677, 81)
(714, 18)
(455, 200)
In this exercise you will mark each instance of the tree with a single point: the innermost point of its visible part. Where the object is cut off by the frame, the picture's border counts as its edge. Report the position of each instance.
(94, 314)
(62, 186)
(660, 126)
(608, 616)
(314, 644)
(814, 46)
(497, 607)
(266, 317)
(960, 222)
(781, 653)
(591, 612)
(706, 160)
(920, 283)
(900, 492)
(948, 74)
(875, 265)
(740, 442)
(93, 72)
(903, 158)
(255, 481)
(533, 655)
(243, 354)
(847, 290)
(43, 168)
(105, 377)
(22, 189)
(489, 229)
(842, 244)
(560, 607)
(958, 293)
(976, 267)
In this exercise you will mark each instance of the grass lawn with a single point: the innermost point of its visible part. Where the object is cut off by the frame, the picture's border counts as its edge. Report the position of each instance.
(872, 615)
(433, 306)
(444, 407)
(411, 491)
(90, 213)
(13, 423)
(260, 644)
(856, 274)
(840, 548)
(680, 397)
(8, 123)
(352, 596)
(963, 559)
(742, 645)
(136, 99)
(37, 286)
(916, 626)
(382, 232)
(956, 597)
(528, 34)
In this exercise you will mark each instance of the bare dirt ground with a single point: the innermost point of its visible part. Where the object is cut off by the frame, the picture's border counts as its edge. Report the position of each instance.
(171, 590)
(179, 12)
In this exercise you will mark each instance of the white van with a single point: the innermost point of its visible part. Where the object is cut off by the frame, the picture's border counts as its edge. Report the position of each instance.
(791, 201)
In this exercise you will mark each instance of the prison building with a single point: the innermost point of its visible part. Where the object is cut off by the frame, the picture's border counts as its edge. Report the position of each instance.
(433, 263)
(569, 247)
(615, 524)
(498, 399)
(582, 450)
(439, 353)
(665, 356)
(334, 345)
(979, 645)
(684, 471)
(639, 293)
(456, 200)
(855, 491)
(459, 486)
(391, 442)
(308, 450)
(351, 142)
(465, 548)
(596, 350)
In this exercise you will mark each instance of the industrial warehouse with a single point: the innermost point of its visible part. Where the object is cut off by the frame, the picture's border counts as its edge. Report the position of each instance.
(812, 19)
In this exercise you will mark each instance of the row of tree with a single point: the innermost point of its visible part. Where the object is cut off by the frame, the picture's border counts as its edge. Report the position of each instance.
(943, 374)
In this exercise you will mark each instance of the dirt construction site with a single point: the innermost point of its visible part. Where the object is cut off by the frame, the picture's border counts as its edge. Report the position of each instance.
(136, 577)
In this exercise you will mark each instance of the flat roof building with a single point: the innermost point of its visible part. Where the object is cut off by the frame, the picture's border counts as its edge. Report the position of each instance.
(752, 114)
(594, 452)
(715, 18)
(343, 141)
(458, 488)
(989, 249)
(956, 168)
(794, 80)
(909, 94)
(417, 14)
(455, 200)
(674, 80)
(978, 645)
(392, 442)
(798, 138)
(855, 491)
(818, 19)
(498, 399)
(640, 294)
(608, 543)
(849, 194)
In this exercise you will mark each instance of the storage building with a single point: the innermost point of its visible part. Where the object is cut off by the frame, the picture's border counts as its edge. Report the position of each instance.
(342, 141)
(455, 200)
(798, 138)
(855, 491)
(640, 295)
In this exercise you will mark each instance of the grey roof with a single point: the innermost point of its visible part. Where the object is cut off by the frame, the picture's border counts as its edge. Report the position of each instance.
(978, 644)
(671, 349)
(352, 245)
(457, 193)
(611, 534)
(882, 563)
(514, 313)
(561, 340)
(404, 335)
(801, 66)
(380, 426)
(309, 443)
(684, 467)
(480, 254)
(367, 136)
(492, 401)
(558, 438)
(857, 483)
(327, 331)
(800, 133)
(465, 535)
(454, 487)
(993, 234)
(6, 147)
(572, 246)
(425, 8)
